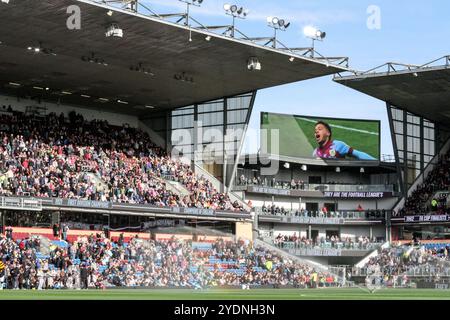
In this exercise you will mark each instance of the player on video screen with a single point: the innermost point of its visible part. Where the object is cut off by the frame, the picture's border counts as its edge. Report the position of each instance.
(333, 149)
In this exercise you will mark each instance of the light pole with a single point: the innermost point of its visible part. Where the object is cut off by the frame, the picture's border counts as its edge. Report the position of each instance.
(315, 35)
(190, 3)
(236, 12)
(277, 24)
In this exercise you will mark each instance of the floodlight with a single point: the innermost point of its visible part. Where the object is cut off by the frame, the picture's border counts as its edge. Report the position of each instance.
(5, 1)
(277, 24)
(321, 35)
(236, 12)
(314, 33)
(309, 31)
(254, 64)
(114, 31)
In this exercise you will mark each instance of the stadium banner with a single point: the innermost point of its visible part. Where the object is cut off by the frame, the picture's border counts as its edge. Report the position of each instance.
(321, 138)
(194, 211)
(357, 195)
(313, 220)
(283, 192)
(433, 218)
(82, 203)
(326, 194)
(315, 252)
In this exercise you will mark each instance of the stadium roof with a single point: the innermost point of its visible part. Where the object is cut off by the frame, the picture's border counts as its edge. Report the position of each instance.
(217, 67)
(423, 90)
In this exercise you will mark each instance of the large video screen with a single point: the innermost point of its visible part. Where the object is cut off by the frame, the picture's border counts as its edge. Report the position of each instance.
(321, 138)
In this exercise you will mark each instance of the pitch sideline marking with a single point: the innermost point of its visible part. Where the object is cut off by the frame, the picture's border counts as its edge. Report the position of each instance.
(344, 128)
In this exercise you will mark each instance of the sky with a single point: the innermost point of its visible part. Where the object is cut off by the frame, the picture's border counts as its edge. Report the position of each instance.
(409, 31)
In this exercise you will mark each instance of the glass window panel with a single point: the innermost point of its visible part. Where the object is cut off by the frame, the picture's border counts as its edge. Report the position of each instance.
(237, 116)
(183, 111)
(239, 102)
(182, 136)
(398, 127)
(413, 144)
(413, 156)
(399, 139)
(209, 119)
(413, 130)
(412, 119)
(186, 121)
(428, 123)
(397, 114)
(212, 134)
(428, 133)
(210, 107)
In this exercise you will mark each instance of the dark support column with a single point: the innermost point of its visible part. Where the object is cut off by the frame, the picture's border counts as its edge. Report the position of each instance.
(422, 147)
(241, 143)
(224, 155)
(169, 131)
(195, 139)
(396, 152)
(405, 154)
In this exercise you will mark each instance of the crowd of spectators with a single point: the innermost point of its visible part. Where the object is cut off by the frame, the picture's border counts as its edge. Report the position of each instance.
(322, 213)
(421, 200)
(55, 156)
(294, 184)
(258, 181)
(97, 262)
(334, 241)
(399, 262)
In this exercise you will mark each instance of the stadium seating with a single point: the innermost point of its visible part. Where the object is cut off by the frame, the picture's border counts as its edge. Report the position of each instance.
(400, 262)
(166, 263)
(65, 158)
(419, 202)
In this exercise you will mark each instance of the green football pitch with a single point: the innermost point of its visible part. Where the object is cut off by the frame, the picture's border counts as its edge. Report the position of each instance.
(221, 294)
(297, 139)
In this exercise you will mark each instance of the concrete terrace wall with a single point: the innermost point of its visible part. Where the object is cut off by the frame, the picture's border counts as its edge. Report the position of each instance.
(20, 104)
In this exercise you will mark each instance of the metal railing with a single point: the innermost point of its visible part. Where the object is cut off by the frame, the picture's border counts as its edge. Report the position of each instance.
(187, 20)
(321, 187)
(428, 271)
(350, 215)
(330, 246)
(395, 67)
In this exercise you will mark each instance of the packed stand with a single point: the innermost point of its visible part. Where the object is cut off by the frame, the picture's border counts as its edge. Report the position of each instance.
(73, 158)
(97, 262)
(420, 201)
(323, 213)
(333, 242)
(398, 262)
